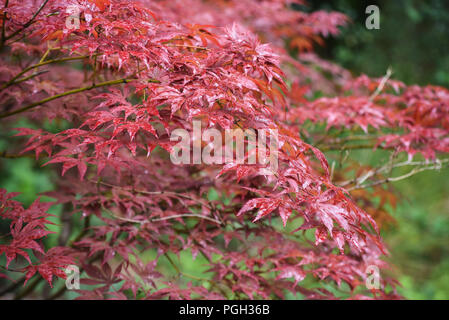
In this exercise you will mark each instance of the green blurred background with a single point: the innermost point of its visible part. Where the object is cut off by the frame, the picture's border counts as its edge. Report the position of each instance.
(413, 39)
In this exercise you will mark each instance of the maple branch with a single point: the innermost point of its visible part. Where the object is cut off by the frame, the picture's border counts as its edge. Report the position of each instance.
(40, 64)
(12, 287)
(11, 270)
(31, 76)
(352, 138)
(420, 163)
(3, 154)
(366, 141)
(343, 147)
(82, 233)
(67, 93)
(359, 181)
(29, 288)
(184, 215)
(173, 193)
(394, 179)
(29, 23)
(187, 46)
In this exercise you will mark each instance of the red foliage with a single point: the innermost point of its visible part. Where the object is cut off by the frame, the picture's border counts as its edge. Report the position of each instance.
(27, 226)
(172, 62)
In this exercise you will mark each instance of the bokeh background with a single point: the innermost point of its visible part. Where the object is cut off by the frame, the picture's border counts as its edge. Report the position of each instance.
(414, 40)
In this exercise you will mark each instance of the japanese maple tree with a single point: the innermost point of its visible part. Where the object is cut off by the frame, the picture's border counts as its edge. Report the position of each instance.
(123, 75)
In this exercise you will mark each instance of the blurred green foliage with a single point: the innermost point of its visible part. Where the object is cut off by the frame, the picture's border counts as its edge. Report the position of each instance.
(419, 242)
(414, 39)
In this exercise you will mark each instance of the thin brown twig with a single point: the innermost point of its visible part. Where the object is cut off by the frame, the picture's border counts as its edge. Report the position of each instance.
(67, 93)
(413, 172)
(388, 167)
(5, 155)
(188, 46)
(29, 23)
(172, 193)
(184, 215)
(31, 76)
(352, 147)
(40, 64)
